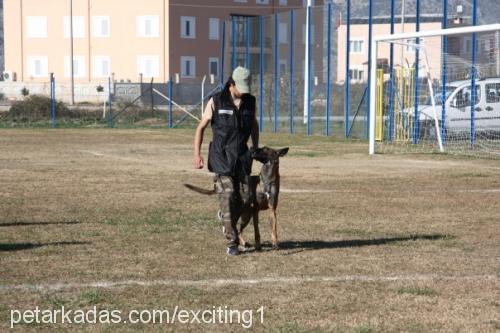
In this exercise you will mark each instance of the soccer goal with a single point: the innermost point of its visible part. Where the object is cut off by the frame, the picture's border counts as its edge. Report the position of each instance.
(421, 98)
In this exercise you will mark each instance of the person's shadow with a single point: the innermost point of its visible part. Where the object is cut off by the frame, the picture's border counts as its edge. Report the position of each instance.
(293, 247)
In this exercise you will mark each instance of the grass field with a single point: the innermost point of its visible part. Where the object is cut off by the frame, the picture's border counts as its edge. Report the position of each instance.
(390, 243)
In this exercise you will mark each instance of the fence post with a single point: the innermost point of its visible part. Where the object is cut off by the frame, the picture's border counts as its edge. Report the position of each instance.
(347, 98)
(170, 114)
(444, 66)
(292, 86)
(276, 72)
(247, 48)
(370, 37)
(233, 41)
(152, 98)
(473, 92)
(329, 70)
(110, 110)
(391, 76)
(261, 61)
(223, 54)
(416, 121)
(52, 101)
(308, 47)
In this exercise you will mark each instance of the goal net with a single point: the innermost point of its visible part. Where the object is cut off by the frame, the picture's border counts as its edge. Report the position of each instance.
(421, 98)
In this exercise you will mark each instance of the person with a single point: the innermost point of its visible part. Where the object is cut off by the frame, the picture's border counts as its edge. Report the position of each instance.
(231, 114)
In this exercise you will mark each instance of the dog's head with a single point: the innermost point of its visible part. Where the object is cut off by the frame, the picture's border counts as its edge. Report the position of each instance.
(267, 155)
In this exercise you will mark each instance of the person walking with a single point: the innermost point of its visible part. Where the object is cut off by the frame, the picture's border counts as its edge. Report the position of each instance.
(232, 116)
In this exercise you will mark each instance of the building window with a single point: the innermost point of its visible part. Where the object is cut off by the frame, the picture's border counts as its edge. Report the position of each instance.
(283, 33)
(101, 66)
(283, 65)
(78, 27)
(467, 45)
(36, 27)
(148, 66)
(148, 26)
(213, 66)
(357, 45)
(410, 46)
(263, 2)
(188, 66)
(356, 74)
(101, 26)
(78, 66)
(213, 29)
(188, 27)
(283, 2)
(38, 66)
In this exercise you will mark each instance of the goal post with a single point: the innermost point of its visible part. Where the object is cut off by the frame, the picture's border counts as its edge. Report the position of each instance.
(415, 78)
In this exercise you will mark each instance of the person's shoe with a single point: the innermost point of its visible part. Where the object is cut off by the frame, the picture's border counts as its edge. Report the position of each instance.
(233, 250)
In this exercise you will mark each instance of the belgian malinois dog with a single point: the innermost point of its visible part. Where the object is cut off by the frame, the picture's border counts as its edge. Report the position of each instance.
(266, 197)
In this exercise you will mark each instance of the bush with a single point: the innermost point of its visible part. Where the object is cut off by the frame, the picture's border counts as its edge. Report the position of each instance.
(36, 107)
(25, 92)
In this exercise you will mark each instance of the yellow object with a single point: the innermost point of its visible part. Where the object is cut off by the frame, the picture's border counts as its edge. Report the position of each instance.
(379, 129)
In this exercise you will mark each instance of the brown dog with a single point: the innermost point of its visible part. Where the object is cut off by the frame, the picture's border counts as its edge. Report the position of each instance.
(267, 198)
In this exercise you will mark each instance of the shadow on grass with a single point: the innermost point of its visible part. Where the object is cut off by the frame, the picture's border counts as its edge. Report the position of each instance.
(29, 223)
(10, 247)
(299, 246)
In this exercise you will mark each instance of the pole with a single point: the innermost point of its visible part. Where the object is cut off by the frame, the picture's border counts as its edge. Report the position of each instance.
(498, 52)
(306, 63)
(52, 101)
(276, 72)
(233, 41)
(347, 98)
(370, 37)
(110, 111)
(170, 113)
(329, 70)
(72, 53)
(247, 54)
(416, 120)
(473, 78)
(391, 75)
(443, 72)
(203, 94)
(222, 54)
(371, 101)
(309, 70)
(261, 69)
(292, 85)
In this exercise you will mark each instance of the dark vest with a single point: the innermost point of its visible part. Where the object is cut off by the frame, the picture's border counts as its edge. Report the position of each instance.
(231, 129)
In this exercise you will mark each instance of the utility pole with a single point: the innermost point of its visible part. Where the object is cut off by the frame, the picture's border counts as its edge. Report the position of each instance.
(306, 65)
(72, 50)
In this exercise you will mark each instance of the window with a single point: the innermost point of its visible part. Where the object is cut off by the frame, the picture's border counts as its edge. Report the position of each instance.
(356, 74)
(213, 28)
(493, 93)
(78, 27)
(38, 66)
(78, 66)
(188, 27)
(101, 26)
(282, 68)
(283, 2)
(188, 66)
(213, 66)
(463, 98)
(263, 2)
(36, 27)
(357, 45)
(467, 45)
(101, 66)
(283, 33)
(411, 48)
(148, 26)
(148, 66)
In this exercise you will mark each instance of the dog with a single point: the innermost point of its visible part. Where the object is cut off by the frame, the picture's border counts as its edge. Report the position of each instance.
(265, 199)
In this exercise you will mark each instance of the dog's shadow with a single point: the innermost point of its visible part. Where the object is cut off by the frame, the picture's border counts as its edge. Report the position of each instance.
(292, 247)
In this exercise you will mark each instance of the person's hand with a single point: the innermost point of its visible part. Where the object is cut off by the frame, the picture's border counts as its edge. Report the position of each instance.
(198, 162)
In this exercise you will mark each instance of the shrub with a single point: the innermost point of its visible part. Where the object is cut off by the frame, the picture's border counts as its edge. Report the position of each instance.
(25, 92)
(36, 107)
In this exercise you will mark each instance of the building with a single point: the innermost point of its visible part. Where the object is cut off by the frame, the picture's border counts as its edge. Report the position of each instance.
(128, 40)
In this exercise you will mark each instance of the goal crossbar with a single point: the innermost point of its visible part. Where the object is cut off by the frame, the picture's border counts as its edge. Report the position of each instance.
(402, 36)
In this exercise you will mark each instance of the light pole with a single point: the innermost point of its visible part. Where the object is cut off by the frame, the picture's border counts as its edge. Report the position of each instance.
(72, 50)
(306, 65)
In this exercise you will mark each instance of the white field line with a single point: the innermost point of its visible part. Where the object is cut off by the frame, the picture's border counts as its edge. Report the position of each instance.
(244, 282)
(91, 152)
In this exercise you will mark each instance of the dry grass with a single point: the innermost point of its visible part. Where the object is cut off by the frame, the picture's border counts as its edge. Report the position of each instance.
(82, 206)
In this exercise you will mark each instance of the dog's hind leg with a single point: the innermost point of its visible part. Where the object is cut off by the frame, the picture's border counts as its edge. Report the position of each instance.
(256, 230)
(274, 227)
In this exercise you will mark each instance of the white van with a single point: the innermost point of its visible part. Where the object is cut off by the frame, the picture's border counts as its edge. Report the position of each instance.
(458, 106)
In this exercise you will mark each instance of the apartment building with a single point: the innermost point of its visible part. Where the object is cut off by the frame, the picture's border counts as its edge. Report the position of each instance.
(128, 40)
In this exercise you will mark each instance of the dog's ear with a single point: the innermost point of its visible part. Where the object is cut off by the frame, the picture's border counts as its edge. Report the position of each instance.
(283, 152)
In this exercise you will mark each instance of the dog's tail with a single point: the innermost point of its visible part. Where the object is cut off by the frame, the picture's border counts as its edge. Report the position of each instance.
(199, 189)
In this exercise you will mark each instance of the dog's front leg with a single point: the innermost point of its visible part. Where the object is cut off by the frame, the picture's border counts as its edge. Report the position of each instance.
(258, 247)
(274, 227)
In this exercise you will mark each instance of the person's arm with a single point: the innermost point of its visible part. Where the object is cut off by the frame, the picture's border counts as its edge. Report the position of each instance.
(198, 137)
(255, 134)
